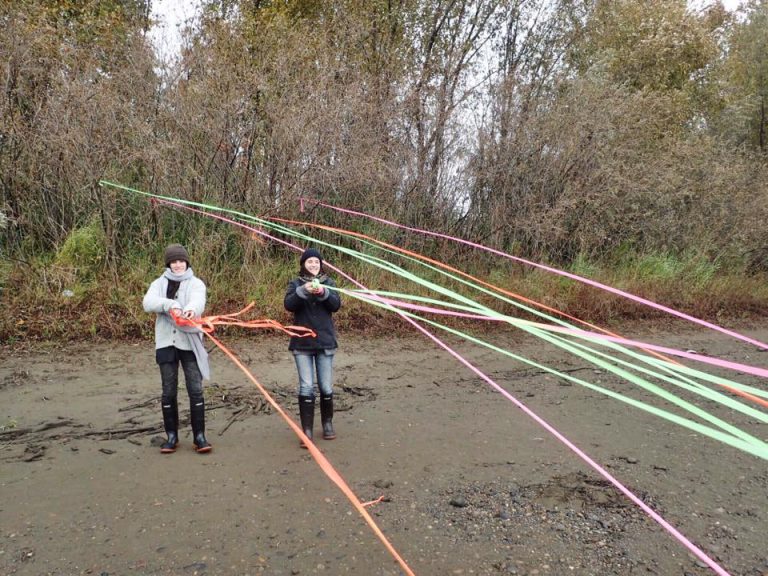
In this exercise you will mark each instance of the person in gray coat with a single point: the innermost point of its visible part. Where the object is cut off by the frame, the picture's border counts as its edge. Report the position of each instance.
(180, 291)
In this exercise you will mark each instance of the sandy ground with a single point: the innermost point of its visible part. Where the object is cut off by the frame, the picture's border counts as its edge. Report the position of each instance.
(471, 485)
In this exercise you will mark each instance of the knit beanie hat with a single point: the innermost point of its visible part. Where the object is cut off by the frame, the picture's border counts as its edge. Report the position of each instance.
(310, 253)
(176, 252)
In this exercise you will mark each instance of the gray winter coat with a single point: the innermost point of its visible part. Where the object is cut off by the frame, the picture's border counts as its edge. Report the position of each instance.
(191, 296)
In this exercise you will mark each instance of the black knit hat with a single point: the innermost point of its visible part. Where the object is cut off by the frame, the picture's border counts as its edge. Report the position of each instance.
(310, 253)
(176, 252)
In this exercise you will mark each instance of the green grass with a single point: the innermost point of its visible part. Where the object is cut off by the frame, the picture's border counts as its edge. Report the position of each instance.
(108, 304)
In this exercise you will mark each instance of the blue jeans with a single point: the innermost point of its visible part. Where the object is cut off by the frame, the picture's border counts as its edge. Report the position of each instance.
(169, 375)
(314, 367)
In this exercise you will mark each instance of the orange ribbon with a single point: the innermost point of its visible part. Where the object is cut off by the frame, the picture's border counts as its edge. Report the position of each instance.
(208, 323)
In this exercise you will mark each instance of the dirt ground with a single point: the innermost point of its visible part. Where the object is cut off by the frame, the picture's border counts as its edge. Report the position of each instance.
(471, 485)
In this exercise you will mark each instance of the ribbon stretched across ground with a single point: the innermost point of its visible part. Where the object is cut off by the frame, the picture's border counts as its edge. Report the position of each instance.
(187, 205)
(206, 325)
(679, 376)
(447, 309)
(385, 265)
(730, 434)
(478, 283)
(664, 366)
(588, 356)
(570, 275)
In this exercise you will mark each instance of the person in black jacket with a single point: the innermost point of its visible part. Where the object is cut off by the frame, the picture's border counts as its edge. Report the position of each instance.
(313, 303)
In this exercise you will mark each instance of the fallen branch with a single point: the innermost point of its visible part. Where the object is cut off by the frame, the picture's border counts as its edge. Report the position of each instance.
(138, 405)
(15, 433)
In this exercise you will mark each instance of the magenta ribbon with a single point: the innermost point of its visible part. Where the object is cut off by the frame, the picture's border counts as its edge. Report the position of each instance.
(548, 269)
(714, 361)
(695, 550)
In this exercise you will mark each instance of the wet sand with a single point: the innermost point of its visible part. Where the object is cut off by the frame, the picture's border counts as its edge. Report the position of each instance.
(470, 483)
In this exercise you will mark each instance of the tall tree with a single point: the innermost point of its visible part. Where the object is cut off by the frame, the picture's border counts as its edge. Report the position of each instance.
(653, 44)
(744, 119)
(65, 69)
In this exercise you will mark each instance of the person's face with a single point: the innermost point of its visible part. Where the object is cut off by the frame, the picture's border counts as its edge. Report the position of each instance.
(178, 266)
(312, 265)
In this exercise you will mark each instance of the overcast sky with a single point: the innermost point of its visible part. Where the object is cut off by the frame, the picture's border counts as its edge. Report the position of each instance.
(172, 14)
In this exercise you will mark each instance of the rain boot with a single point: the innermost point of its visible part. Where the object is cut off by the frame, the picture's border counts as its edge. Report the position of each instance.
(326, 416)
(307, 416)
(171, 425)
(197, 416)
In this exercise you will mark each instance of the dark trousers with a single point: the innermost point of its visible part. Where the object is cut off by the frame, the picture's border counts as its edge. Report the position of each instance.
(169, 375)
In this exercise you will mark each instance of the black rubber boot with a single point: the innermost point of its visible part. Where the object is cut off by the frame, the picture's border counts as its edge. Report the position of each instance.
(171, 424)
(326, 416)
(197, 416)
(307, 416)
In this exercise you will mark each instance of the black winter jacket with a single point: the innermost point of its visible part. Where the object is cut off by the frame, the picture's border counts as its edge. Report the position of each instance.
(313, 312)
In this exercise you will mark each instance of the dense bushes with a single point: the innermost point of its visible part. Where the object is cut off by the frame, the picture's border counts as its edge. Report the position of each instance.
(613, 137)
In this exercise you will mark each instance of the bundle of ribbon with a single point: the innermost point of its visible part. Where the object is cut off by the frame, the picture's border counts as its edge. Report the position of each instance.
(208, 323)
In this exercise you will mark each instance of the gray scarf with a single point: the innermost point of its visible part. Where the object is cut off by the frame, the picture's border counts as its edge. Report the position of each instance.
(194, 333)
(186, 275)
